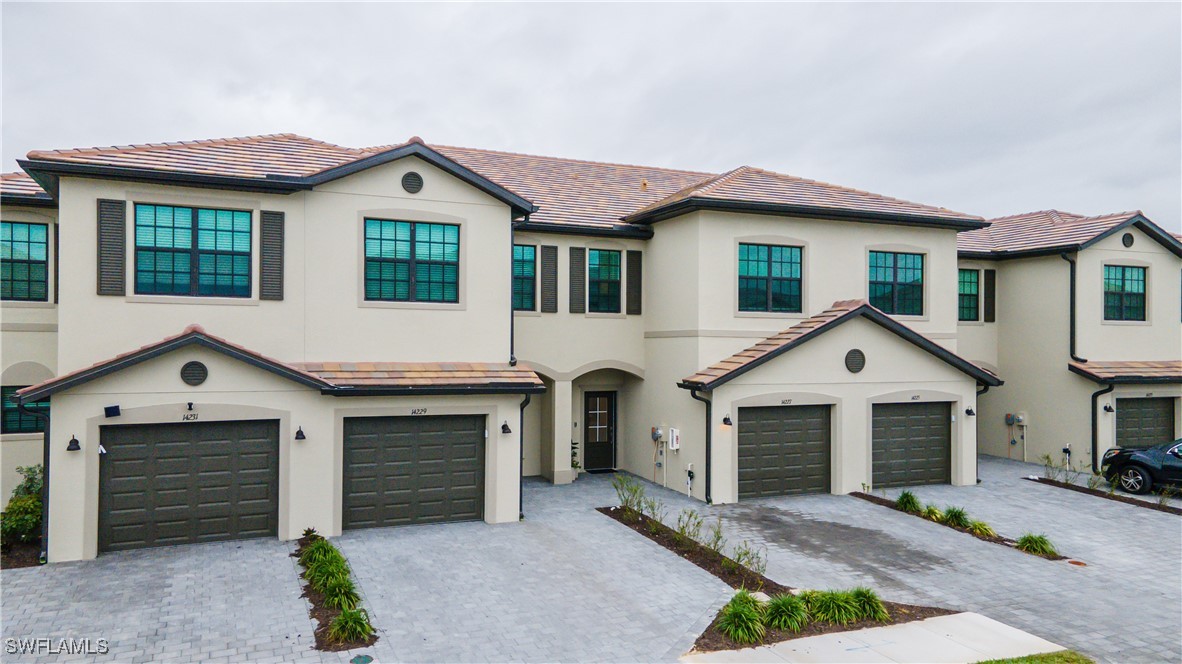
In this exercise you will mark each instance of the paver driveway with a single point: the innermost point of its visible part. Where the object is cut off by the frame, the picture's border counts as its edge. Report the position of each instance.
(1126, 605)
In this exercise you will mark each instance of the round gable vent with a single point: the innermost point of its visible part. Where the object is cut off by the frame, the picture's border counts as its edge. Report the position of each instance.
(194, 373)
(412, 182)
(855, 360)
(1127, 239)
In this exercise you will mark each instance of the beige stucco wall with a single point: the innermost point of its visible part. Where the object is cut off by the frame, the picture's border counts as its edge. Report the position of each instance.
(977, 340)
(310, 471)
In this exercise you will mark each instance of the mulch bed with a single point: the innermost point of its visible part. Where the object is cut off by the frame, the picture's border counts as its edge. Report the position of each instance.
(737, 576)
(996, 539)
(324, 615)
(1110, 496)
(20, 554)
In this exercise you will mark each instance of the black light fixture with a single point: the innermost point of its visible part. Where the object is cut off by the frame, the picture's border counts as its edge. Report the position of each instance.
(300, 434)
(970, 412)
(1108, 408)
(73, 446)
(190, 405)
(111, 411)
(726, 420)
(505, 427)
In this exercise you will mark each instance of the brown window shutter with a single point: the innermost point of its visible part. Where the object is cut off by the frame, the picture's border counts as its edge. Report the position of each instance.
(989, 296)
(549, 279)
(112, 247)
(271, 255)
(632, 305)
(578, 280)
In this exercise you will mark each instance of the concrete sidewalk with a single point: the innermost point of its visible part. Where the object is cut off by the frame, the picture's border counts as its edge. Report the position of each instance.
(960, 637)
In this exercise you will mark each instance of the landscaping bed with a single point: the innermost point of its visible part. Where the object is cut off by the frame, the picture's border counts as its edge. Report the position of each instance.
(338, 626)
(1170, 509)
(20, 554)
(987, 536)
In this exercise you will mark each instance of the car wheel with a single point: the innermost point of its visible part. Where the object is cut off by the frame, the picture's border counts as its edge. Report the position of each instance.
(1135, 479)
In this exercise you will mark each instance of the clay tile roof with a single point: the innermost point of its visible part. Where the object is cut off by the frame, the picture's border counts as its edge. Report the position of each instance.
(19, 184)
(1042, 230)
(422, 374)
(841, 311)
(754, 185)
(1148, 371)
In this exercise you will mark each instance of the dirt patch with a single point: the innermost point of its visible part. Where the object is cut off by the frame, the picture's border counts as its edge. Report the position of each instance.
(737, 576)
(20, 554)
(996, 539)
(1169, 509)
(324, 615)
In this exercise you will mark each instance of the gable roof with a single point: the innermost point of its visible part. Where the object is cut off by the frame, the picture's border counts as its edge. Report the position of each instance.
(842, 311)
(332, 378)
(1054, 231)
(756, 190)
(20, 189)
(1138, 372)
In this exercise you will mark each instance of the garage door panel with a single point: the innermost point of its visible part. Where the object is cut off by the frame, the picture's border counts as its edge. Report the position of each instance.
(1145, 421)
(179, 483)
(784, 450)
(912, 444)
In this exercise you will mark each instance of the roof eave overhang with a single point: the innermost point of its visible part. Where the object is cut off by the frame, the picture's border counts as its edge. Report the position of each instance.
(1140, 221)
(696, 203)
(47, 174)
(1125, 380)
(28, 200)
(618, 230)
(450, 390)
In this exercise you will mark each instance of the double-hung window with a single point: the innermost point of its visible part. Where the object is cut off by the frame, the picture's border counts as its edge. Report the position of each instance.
(1124, 293)
(412, 261)
(603, 281)
(24, 262)
(524, 269)
(896, 282)
(770, 278)
(15, 420)
(192, 251)
(969, 295)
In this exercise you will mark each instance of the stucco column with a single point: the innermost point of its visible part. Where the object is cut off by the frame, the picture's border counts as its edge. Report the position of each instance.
(561, 418)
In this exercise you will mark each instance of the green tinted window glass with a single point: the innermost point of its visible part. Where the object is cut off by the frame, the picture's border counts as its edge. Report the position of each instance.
(969, 295)
(524, 270)
(896, 282)
(192, 251)
(24, 261)
(411, 261)
(603, 281)
(1124, 293)
(14, 420)
(770, 278)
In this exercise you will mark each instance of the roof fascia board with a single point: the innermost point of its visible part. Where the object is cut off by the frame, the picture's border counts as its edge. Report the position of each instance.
(28, 200)
(1125, 380)
(47, 173)
(492, 388)
(1146, 226)
(622, 230)
(696, 203)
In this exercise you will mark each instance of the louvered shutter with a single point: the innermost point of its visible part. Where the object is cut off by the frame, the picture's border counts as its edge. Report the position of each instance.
(112, 247)
(578, 280)
(549, 279)
(989, 296)
(271, 255)
(634, 285)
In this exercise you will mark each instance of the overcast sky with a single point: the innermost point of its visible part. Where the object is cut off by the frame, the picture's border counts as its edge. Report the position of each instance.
(988, 109)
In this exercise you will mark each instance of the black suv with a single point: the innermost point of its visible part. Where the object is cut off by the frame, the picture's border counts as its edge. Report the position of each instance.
(1139, 469)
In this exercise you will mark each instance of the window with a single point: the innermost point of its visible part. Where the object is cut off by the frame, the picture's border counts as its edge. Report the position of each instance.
(896, 282)
(192, 251)
(603, 281)
(769, 278)
(970, 295)
(24, 262)
(1124, 293)
(524, 269)
(17, 421)
(408, 261)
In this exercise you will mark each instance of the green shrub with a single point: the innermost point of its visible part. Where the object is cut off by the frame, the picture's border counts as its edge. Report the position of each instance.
(715, 540)
(340, 593)
(324, 573)
(34, 480)
(351, 625)
(21, 520)
(982, 529)
(908, 503)
(629, 492)
(741, 620)
(787, 612)
(834, 607)
(319, 551)
(869, 605)
(933, 513)
(1039, 545)
(956, 516)
(750, 557)
(689, 526)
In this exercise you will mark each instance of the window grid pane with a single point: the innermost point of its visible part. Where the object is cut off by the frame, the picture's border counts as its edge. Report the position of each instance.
(969, 295)
(14, 420)
(192, 251)
(524, 269)
(770, 278)
(896, 282)
(603, 281)
(411, 262)
(24, 262)
(1124, 293)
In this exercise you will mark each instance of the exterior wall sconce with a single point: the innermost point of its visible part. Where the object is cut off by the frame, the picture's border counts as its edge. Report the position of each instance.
(505, 427)
(1108, 408)
(73, 446)
(190, 405)
(726, 420)
(300, 434)
(970, 412)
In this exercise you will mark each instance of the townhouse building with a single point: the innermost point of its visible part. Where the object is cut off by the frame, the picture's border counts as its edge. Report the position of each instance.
(246, 337)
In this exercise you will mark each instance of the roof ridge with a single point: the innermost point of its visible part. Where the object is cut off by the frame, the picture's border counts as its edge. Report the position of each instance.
(1033, 213)
(229, 140)
(854, 190)
(568, 159)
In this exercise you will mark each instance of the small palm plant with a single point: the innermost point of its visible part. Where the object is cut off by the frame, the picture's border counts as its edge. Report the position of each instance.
(350, 625)
(787, 612)
(982, 529)
(933, 513)
(1039, 545)
(869, 605)
(957, 517)
(832, 606)
(741, 620)
(907, 502)
(340, 593)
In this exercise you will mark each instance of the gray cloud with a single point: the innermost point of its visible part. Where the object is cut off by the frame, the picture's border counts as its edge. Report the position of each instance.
(990, 109)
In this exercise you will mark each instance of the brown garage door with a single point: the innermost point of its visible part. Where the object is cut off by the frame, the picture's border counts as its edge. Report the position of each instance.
(1144, 422)
(783, 450)
(912, 444)
(164, 484)
(403, 470)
